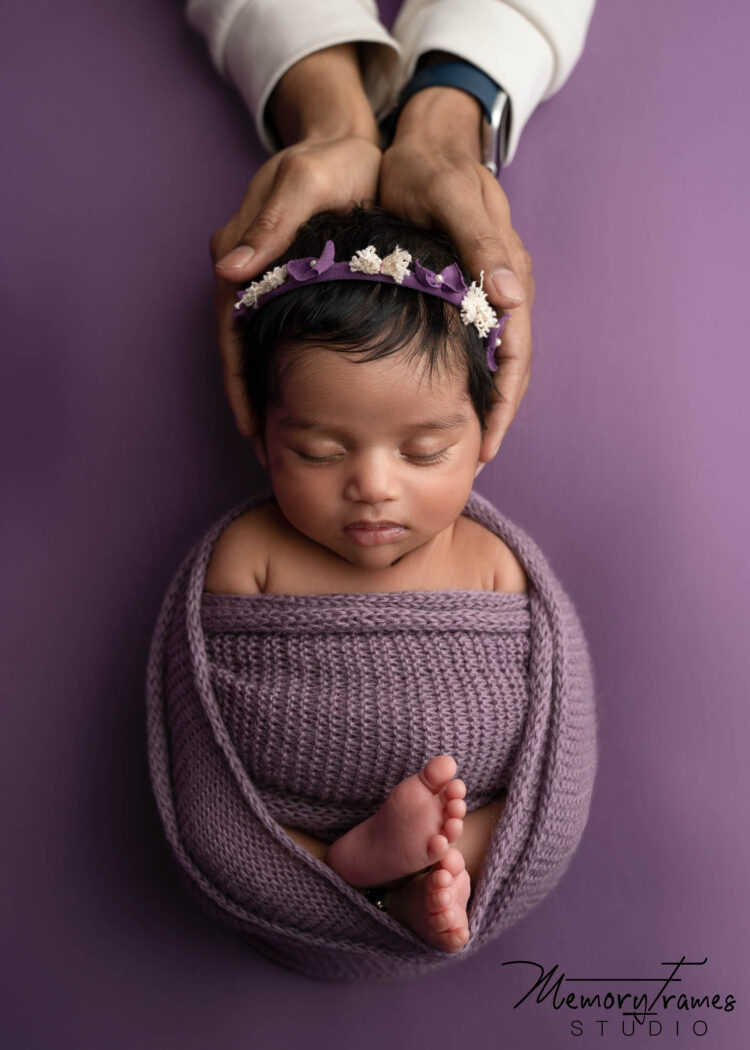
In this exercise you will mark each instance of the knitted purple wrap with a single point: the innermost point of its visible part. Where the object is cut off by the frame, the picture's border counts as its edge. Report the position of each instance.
(306, 710)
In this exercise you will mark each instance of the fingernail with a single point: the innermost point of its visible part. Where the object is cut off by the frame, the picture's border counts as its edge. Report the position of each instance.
(236, 259)
(507, 284)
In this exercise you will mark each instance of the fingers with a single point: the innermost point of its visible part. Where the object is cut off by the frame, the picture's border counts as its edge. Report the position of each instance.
(511, 381)
(231, 361)
(513, 355)
(444, 186)
(264, 225)
(291, 201)
(508, 291)
(497, 217)
(290, 188)
(227, 237)
(481, 229)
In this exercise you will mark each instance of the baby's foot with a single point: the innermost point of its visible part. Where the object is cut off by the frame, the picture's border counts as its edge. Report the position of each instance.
(413, 828)
(434, 905)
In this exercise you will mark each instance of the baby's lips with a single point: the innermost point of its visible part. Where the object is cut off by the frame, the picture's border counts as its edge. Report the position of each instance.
(375, 525)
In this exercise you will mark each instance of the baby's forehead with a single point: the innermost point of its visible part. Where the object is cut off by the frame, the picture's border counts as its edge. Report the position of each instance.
(394, 397)
(317, 367)
(321, 423)
(333, 384)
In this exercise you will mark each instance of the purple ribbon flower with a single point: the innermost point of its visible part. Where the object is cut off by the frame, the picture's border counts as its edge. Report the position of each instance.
(305, 269)
(492, 340)
(450, 278)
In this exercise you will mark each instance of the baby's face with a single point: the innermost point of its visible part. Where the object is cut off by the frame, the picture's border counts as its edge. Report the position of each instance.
(370, 459)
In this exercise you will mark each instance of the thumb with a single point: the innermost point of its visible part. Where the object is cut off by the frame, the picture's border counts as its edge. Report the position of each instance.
(482, 247)
(269, 234)
(503, 286)
(483, 251)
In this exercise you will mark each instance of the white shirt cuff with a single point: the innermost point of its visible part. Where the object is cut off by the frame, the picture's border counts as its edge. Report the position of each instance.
(530, 59)
(254, 42)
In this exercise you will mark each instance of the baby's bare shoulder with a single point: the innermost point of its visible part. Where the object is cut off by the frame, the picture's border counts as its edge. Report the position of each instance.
(495, 555)
(240, 558)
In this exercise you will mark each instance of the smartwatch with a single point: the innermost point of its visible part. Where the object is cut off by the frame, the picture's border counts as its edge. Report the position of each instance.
(457, 73)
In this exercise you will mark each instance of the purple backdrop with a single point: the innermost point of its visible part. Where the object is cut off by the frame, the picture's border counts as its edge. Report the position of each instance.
(628, 464)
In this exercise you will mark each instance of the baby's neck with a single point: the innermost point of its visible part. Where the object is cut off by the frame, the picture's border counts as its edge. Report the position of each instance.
(450, 560)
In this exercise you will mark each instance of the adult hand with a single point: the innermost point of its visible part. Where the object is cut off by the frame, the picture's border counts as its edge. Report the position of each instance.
(432, 174)
(320, 107)
(290, 187)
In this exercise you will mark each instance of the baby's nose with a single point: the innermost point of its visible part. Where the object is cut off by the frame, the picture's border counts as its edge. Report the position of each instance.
(372, 479)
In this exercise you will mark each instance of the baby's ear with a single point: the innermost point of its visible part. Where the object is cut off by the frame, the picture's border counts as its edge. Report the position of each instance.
(488, 448)
(259, 445)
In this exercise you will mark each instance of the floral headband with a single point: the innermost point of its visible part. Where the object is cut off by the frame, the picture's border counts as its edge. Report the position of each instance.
(366, 265)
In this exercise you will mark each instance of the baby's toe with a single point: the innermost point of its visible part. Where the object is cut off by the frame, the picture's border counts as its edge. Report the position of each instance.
(454, 789)
(444, 920)
(455, 939)
(438, 771)
(453, 862)
(438, 879)
(456, 808)
(453, 829)
(438, 901)
(437, 846)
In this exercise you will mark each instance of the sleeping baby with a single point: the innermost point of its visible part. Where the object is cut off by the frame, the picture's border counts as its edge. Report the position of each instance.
(393, 689)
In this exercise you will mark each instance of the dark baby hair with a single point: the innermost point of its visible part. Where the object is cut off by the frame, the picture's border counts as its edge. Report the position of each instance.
(373, 319)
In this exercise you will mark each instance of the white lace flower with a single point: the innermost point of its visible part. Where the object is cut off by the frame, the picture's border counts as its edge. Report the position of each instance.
(477, 310)
(396, 265)
(274, 278)
(249, 297)
(270, 280)
(366, 260)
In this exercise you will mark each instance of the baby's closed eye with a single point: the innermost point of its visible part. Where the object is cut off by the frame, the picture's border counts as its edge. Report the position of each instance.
(420, 457)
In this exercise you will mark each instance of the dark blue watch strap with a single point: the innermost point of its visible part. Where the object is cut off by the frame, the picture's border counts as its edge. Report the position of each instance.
(458, 74)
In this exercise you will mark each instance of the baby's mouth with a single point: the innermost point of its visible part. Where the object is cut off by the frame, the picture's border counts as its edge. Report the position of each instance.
(374, 533)
(382, 524)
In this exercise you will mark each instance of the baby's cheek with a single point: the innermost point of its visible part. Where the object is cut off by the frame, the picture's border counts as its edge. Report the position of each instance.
(277, 462)
(447, 499)
(288, 475)
(299, 491)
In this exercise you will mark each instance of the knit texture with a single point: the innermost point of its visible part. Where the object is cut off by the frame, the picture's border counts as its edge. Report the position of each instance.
(307, 709)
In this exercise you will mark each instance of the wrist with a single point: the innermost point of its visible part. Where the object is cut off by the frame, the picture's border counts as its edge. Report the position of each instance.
(322, 97)
(443, 115)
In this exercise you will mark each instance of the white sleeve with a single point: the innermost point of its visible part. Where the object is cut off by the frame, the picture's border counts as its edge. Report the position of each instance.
(254, 42)
(528, 46)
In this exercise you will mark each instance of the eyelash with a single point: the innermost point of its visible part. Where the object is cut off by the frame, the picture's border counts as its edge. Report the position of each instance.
(422, 461)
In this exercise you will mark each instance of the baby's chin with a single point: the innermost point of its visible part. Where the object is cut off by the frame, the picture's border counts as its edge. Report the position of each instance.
(383, 558)
(372, 558)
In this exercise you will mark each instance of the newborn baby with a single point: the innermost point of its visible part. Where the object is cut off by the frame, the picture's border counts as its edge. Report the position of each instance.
(369, 365)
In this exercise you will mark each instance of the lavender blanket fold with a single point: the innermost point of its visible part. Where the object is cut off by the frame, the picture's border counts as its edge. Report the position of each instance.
(306, 710)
